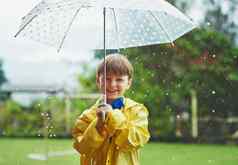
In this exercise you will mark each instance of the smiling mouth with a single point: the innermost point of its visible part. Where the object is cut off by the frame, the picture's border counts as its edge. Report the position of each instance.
(112, 92)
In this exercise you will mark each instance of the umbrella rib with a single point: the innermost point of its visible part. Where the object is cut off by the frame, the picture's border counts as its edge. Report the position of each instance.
(25, 26)
(161, 26)
(66, 32)
(117, 29)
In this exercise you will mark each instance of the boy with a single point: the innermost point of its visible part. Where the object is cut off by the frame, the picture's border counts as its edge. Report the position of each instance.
(115, 140)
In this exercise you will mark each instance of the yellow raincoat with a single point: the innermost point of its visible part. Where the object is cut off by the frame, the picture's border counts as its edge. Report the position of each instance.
(128, 130)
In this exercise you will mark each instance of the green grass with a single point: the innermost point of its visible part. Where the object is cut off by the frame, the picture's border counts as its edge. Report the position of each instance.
(15, 151)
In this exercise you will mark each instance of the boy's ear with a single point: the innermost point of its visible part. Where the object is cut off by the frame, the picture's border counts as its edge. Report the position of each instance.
(129, 83)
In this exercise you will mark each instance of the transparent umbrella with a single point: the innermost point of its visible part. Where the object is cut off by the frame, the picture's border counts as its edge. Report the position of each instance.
(105, 24)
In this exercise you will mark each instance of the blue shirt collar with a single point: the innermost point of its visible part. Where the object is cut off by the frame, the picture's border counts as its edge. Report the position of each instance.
(118, 103)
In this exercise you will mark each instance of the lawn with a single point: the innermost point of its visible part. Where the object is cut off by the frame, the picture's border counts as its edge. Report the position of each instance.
(16, 152)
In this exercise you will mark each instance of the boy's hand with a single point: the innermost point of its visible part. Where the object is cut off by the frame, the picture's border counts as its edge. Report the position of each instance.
(105, 108)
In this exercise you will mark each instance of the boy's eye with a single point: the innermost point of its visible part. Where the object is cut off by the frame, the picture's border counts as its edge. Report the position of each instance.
(119, 79)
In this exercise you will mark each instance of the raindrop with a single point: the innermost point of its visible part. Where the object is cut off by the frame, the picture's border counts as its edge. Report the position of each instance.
(213, 92)
(208, 23)
(178, 116)
(42, 114)
(213, 56)
(39, 135)
(166, 93)
(213, 110)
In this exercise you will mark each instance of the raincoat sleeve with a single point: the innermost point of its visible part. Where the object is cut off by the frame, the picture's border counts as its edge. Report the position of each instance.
(131, 129)
(87, 138)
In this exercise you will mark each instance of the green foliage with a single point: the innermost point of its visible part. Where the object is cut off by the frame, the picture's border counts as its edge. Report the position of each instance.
(16, 122)
(220, 20)
(2, 75)
(3, 95)
(46, 116)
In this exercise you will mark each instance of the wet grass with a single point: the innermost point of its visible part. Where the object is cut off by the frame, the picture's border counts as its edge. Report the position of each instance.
(16, 151)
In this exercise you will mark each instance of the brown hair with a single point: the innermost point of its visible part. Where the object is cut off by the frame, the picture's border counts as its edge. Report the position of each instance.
(116, 64)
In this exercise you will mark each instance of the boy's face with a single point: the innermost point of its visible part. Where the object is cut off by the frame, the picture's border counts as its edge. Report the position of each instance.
(116, 85)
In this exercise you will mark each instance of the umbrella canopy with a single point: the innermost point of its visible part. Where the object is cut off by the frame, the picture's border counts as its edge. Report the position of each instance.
(105, 24)
(128, 23)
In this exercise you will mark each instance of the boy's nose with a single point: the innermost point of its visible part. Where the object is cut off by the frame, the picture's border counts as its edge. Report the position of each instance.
(112, 83)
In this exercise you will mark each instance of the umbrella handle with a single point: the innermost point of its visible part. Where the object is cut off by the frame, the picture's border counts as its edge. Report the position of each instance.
(103, 114)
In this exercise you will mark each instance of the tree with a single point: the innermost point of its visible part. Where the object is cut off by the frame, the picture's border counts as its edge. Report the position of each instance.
(2, 75)
(221, 15)
(3, 95)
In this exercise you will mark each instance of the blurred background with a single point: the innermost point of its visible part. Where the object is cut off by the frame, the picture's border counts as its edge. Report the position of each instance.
(190, 89)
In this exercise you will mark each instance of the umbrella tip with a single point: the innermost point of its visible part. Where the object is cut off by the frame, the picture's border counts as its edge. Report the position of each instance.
(15, 36)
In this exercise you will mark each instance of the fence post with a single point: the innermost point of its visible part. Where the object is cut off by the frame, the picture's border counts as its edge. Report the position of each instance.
(194, 113)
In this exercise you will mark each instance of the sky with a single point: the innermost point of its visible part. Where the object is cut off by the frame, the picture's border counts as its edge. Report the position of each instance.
(27, 62)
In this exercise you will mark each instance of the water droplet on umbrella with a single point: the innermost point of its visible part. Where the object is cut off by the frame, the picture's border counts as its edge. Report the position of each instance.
(213, 56)
(213, 92)
(213, 110)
